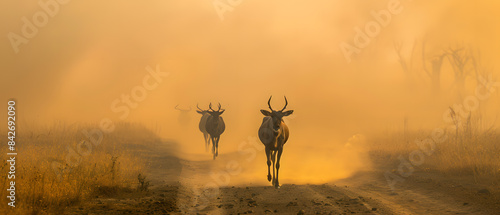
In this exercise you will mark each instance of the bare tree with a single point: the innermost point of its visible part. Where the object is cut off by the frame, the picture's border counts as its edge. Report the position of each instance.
(435, 72)
(406, 64)
(459, 59)
(480, 71)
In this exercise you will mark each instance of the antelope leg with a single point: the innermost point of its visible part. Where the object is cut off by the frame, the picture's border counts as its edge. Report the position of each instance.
(217, 147)
(268, 156)
(277, 183)
(213, 147)
(274, 161)
(207, 141)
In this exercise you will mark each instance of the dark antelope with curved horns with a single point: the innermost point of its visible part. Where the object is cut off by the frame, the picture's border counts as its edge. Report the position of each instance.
(273, 133)
(202, 126)
(215, 127)
(184, 119)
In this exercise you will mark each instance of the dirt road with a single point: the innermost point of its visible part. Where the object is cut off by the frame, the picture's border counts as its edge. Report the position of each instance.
(363, 193)
(186, 187)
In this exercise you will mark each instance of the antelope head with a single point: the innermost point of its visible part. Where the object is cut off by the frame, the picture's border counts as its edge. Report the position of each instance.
(201, 111)
(215, 113)
(276, 115)
(182, 110)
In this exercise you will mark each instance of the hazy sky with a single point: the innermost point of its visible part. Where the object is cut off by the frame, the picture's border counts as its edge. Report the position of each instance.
(91, 52)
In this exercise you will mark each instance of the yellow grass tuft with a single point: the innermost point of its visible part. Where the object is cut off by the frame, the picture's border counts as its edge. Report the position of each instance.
(469, 150)
(112, 165)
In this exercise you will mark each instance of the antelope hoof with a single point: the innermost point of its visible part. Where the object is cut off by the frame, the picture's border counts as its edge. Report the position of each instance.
(276, 184)
(268, 177)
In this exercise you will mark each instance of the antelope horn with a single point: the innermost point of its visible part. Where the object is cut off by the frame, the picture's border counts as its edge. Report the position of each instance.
(219, 107)
(269, 103)
(210, 106)
(176, 107)
(198, 107)
(286, 103)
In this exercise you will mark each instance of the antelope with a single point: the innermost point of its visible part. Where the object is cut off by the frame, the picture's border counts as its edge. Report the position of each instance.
(202, 126)
(215, 127)
(273, 133)
(183, 118)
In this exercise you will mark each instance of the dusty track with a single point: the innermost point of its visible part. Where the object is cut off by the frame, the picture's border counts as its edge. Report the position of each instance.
(179, 187)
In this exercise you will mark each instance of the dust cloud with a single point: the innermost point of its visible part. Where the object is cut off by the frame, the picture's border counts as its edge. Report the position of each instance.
(91, 54)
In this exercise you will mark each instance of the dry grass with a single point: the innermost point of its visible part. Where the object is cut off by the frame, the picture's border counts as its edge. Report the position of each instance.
(111, 166)
(469, 150)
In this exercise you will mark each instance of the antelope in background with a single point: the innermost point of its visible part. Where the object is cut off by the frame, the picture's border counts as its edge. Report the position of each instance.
(215, 127)
(202, 126)
(184, 119)
(273, 133)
